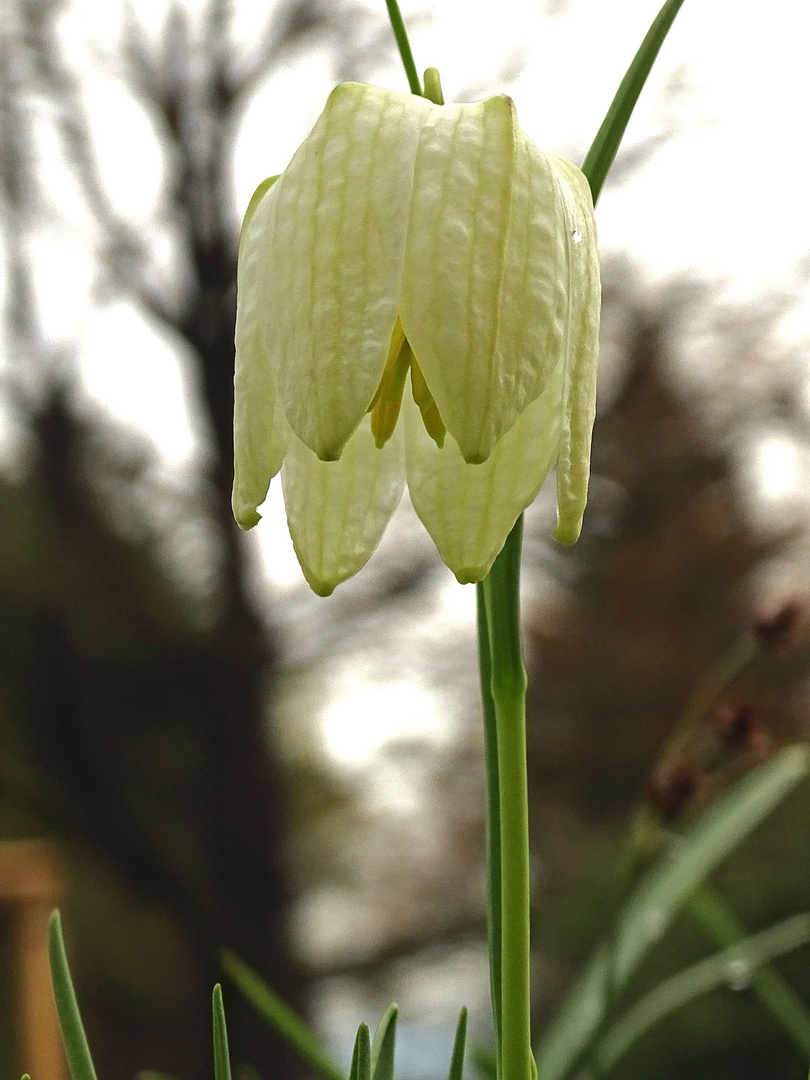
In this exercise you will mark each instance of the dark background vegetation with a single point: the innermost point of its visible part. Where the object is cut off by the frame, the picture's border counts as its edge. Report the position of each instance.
(137, 702)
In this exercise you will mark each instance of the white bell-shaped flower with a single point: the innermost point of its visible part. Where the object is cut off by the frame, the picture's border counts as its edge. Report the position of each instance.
(421, 243)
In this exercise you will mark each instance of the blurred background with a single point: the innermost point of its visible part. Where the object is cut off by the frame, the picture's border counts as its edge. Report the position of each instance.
(194, 750)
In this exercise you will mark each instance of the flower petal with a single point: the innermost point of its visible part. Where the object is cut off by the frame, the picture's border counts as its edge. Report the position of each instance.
(469, 509)
(335, 247)
(484, 280)
(582, 351)
(338, 510)
(259, 439)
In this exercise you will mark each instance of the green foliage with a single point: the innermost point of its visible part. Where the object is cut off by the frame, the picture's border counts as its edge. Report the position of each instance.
(740, 961)
(774, 992)
(659, 896)
(383, 1045)
(457, 1060)
(361, 1056)
(370, 1060)
(604, 147)
(286, 1022)
(222, 1061)
(80, 1062)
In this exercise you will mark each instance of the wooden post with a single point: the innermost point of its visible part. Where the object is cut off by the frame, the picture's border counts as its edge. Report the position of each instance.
(29, 886)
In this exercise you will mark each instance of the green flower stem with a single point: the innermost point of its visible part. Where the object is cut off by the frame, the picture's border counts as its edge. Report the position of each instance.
(492, 814)
(404, 46)
(501, 590)
(503, 680)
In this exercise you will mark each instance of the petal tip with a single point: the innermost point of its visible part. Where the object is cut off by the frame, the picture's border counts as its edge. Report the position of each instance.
(246, 517)
(328, 453)
(471, 575)
(476, 457)
(321, 588)
(567, 532)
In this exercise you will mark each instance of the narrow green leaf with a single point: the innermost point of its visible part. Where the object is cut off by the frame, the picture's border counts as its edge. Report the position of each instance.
(659, 897)
(705, 844)
(457, 1060)
(361, 1056)
(287, 1023)
(404, 46)
(719, 970)
(604, 147)
(772, 989)
(382, 1048)
(222, 1061)
(80, 1062)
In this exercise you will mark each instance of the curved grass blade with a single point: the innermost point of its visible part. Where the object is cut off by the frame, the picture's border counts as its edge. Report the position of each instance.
(457, 1060)
(659, 897)
(222, 1061)
(718, 970)
(604, 147)
(286, 1022)
(691, 857)
(383, 1045)
(772, 989)
(80, 1062)
(361, 1056)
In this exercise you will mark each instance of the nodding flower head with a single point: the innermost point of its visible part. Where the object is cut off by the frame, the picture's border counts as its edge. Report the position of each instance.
(435, 245)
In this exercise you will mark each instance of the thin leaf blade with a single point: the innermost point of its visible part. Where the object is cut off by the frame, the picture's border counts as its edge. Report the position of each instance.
(77, 1049)
(361, 1056)
(222, 1061)
(383, 1045)
(459, 1044)
(286, 1022)
(659, 897)
(698, 979)
(604, 147)
(775, 993)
